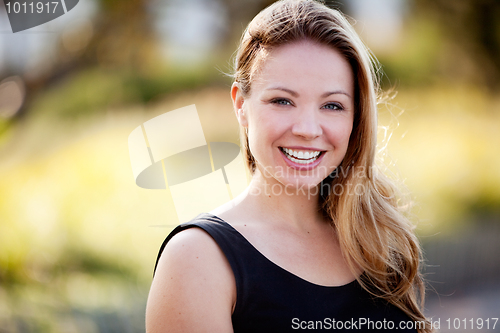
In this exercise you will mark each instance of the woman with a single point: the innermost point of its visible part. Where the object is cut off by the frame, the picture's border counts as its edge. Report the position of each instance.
(317, 241)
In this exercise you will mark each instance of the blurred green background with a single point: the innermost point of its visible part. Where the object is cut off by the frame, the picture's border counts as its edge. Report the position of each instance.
(78, 238)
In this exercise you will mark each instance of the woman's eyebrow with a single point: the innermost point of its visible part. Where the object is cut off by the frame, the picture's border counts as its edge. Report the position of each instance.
(291, 92)
(335, 92)
(296, 94)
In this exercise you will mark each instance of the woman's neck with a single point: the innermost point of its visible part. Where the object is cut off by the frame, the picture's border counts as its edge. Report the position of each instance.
(292, 206)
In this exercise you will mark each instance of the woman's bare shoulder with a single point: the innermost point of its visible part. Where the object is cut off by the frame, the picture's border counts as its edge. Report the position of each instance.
(193, 289)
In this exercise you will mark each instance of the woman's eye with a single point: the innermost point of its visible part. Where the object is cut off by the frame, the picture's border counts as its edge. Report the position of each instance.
(281, 101)
(333, 106)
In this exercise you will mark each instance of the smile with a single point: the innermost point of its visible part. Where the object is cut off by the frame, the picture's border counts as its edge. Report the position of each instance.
(301, 156)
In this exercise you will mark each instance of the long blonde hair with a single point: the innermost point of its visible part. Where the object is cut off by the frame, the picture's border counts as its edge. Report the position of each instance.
(372, 229)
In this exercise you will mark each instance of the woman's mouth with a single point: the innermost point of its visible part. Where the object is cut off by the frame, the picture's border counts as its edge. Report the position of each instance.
(303, 157)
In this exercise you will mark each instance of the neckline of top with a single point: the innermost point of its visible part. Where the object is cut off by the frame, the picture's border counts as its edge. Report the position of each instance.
(349, 284)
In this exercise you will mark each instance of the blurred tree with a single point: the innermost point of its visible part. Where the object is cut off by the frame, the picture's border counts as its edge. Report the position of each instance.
(123, 35)
(473, 27)
(240, 13)
(121, 38)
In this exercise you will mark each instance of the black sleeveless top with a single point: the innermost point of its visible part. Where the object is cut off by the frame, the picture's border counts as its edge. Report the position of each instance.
(272, 299)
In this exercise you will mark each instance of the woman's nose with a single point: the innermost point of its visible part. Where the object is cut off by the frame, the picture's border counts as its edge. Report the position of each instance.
(307, 125)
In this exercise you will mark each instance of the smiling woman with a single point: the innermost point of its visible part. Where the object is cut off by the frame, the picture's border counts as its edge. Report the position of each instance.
(318, 237)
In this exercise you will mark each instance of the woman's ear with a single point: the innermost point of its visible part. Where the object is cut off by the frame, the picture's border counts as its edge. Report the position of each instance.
(238, 101)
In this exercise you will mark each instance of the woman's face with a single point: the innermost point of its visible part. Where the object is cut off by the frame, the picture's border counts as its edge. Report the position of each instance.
(299, 113)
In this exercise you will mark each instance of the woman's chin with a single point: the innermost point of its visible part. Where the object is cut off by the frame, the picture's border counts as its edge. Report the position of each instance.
(300, 186)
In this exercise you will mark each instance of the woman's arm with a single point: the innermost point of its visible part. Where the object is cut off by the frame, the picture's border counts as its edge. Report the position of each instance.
(193, 289)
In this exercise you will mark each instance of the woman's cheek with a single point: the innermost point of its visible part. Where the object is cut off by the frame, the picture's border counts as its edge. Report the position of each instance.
(339, 136)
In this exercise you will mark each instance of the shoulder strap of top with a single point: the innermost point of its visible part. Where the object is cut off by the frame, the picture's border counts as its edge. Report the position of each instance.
(234, 246)
(250, 268)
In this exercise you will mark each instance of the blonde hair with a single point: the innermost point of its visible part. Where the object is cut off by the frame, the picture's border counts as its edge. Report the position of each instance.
(373, 232)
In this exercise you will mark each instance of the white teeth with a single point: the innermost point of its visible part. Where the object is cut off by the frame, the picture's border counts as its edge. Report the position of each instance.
(301, 157)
